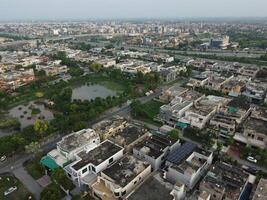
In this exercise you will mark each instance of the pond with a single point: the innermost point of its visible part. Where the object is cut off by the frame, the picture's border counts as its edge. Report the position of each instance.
(28, 114)
(90, 92)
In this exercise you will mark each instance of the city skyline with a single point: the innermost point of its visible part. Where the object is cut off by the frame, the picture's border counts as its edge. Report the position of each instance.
(119, 9)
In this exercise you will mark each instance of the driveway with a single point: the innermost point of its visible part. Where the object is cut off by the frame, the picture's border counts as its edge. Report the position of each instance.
(28, 181)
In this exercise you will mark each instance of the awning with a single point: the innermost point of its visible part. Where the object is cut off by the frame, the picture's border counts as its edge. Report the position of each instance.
(49, 162)
(182, 125)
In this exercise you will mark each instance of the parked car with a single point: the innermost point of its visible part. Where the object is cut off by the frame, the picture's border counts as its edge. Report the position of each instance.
(252, 159)
(3, 158)
(10, 190)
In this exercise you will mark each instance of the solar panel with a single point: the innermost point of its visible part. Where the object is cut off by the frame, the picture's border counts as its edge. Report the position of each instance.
(181, 152)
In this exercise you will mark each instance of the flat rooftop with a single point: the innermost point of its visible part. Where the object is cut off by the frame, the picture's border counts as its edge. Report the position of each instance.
(125, 170)
(98, 155)
(225, 178)
(154, 188)
(261, 191)
(105, 125)
(258, 125)
(154, 145)
(128, 135)
(76, 140)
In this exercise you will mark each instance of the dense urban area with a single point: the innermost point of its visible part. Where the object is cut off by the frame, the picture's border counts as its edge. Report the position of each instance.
(136, 110)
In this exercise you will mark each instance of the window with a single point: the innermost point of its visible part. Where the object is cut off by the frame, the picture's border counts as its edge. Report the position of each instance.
(123, 193)
(84, 170)
(116, 194)
(93, 169)
(110, 160)
(135, 182)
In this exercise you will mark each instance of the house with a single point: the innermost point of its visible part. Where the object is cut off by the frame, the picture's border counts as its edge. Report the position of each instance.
(129, 136)
(224, 181)
(227, 119)
(157, 188)
(171, 113)
(198, 81)
(109, 127)
(70, 145)
(255, 92)
(203, 110)
(154, 149)
(88, 164)
(233, 87)
(187, 164)
(171, 92)
(121, 178)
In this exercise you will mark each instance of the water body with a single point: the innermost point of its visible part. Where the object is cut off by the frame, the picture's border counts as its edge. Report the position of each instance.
(24, 113)
(90, 92)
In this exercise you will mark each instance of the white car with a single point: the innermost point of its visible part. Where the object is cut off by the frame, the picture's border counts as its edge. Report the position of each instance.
(3, 158)
(10, 190)
(252, 159)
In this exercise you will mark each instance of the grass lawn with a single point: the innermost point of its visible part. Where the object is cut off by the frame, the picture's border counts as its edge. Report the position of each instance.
(9, 181)
(34, 168)
(151, 108)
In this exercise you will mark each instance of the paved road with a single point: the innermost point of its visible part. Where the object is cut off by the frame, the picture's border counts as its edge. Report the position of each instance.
(28, 181)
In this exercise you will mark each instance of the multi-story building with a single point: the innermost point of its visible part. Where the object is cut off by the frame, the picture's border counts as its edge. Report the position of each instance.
(187, 164)
(224, 181)
(121, 178)
(70, 145)
(154, 149)
(88, 164)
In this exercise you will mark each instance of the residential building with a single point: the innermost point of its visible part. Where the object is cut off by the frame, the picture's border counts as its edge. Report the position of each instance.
(187, 164)
(70, 145)
(121, 178)
(88, 164)
(154, 149)
(224, 181)
(109, 127)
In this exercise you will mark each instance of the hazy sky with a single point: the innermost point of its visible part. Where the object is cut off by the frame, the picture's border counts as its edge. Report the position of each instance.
(82, 9)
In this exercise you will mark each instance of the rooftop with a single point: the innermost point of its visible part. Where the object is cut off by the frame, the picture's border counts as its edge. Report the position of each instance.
(128, 135)
(125, 170)
(105, 125)
(258, 125)
(225, 178)
(76, 140)
(154, 145)
(98, 155)
(261, 191)
(154, 188)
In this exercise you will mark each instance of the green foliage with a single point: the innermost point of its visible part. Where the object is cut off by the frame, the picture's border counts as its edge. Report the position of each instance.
(41, 127)
(174, 134)
(148, 110)
(207, 91)
(51, 192)
(60, 177)
(7, 123)
(95, 67)
(205, 138)
(35, 111)
(34, 168)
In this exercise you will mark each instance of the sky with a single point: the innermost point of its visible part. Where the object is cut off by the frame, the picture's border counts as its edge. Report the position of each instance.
(107, 9)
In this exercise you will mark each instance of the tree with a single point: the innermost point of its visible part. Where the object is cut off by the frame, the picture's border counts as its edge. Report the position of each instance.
(33, 148)
(41, 127)
(51, 192)
(95, 67)
(60, 178)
